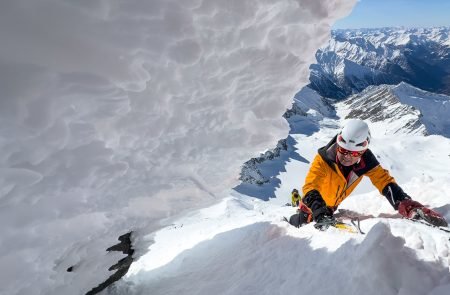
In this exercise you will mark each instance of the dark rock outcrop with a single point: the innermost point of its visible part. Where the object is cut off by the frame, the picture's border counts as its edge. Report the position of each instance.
(121, 266)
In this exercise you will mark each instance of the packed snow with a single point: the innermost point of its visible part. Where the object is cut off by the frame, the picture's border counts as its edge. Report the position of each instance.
(120, 115)
(242, 245)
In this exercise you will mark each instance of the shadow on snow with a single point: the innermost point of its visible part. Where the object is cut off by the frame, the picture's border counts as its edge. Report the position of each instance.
(262, 259)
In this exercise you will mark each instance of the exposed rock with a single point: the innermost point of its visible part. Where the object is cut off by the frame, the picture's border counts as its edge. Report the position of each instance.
(294, 110)
(121, 266)
(250, 173)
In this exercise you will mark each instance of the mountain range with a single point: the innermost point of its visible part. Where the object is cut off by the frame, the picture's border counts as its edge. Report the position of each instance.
(355, 59)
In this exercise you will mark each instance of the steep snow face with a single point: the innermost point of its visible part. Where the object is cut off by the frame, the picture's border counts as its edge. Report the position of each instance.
(117, 114)
(407, 109)
(355, 59)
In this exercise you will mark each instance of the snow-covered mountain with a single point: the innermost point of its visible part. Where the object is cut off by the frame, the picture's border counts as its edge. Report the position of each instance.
(400, 108)
(355, 59)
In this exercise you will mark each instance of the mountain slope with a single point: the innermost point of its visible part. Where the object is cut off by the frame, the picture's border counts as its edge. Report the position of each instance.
(400, 108)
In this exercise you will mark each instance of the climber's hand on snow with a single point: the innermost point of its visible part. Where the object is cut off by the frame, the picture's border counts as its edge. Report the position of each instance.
(414, 210)
(408, 208)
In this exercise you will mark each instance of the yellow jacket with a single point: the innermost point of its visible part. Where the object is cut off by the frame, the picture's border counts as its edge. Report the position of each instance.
(295, 199)
(326, 177)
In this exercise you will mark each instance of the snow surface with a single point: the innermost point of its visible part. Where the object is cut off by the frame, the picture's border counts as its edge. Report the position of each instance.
(118, 115)
(434, 108)
(242, 246)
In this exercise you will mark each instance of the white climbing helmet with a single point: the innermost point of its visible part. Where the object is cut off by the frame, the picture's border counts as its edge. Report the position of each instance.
(355, 136)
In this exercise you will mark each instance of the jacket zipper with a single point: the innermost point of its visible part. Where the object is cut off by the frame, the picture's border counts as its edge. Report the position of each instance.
(343, 192)
(337, 192)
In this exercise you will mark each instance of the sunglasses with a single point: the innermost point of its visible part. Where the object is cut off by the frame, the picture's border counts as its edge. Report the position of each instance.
(347, 152)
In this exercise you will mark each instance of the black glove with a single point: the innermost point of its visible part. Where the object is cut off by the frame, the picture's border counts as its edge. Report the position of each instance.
(314, 201)
(323, 216)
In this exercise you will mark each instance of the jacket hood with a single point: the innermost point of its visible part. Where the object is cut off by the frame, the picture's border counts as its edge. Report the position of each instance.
(328, 153)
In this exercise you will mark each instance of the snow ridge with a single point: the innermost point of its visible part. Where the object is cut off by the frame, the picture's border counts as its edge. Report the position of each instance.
(405, 108)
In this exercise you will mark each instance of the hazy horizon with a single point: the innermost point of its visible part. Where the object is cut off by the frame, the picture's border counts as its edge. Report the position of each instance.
(390, 27)
(368, 14)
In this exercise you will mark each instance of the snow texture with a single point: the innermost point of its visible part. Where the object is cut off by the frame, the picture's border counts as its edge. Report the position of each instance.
(115, 115)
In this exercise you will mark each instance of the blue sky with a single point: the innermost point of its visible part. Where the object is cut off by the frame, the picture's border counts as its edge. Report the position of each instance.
(390, 13)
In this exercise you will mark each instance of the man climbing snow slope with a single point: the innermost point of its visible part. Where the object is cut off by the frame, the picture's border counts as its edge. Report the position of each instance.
(339, 167)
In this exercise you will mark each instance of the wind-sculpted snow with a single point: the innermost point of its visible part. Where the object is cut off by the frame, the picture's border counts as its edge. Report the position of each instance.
(117, 114)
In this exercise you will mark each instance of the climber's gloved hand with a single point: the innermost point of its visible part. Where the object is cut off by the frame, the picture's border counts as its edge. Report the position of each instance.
(414, 210)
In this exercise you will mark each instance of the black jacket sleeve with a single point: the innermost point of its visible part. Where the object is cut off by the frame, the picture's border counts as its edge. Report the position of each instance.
(315, 202)
(394, 194)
